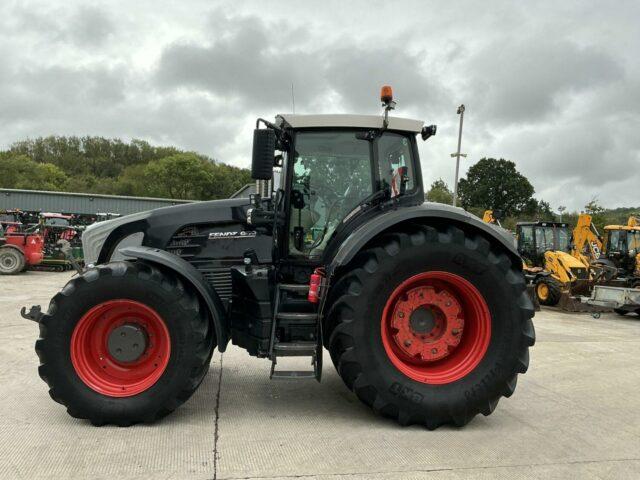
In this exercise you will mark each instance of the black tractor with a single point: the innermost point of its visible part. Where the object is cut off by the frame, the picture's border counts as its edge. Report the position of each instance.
(421, 306)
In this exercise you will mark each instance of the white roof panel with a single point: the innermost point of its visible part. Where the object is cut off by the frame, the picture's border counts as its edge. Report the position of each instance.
(354, 121)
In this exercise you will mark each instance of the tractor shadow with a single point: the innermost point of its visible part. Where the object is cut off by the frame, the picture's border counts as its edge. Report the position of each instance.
(247, 393)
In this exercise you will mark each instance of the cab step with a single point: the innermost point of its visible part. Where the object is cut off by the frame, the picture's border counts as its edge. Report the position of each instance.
(312, 349)
(295, 349)
(283, 374)
(296, 316)
(294, 287)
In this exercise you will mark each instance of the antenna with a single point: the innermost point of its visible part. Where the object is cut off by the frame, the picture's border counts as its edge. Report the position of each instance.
(293, 100)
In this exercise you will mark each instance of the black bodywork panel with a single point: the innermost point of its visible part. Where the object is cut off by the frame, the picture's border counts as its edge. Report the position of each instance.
(203, 242)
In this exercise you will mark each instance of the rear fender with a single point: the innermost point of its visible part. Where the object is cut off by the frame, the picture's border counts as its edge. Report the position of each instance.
(15, 247)
(192, 276)
(426, 213)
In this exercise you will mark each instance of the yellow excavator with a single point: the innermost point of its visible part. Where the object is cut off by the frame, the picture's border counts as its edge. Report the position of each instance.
(621, 251)
(546, 250)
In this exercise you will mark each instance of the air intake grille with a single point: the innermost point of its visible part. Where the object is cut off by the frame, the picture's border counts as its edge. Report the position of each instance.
(187, 243)
(220, 279)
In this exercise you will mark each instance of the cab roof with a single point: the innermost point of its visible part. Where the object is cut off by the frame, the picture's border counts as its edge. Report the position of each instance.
(348, 121)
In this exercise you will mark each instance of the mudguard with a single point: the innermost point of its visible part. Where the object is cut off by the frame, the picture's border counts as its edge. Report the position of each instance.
(11, 245)
(426, 211)
(191, 275)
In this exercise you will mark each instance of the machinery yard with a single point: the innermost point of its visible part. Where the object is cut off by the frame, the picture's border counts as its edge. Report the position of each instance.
(575, 414)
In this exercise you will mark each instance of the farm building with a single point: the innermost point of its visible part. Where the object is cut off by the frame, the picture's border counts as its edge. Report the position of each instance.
(89, 203)
(79, 203)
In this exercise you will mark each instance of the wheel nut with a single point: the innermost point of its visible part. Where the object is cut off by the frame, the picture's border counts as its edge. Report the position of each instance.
(434, 350)
(400, 315)
(455, 331)
(407, 343)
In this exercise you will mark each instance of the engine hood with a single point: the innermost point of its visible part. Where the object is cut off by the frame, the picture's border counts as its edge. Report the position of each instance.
(157, 226)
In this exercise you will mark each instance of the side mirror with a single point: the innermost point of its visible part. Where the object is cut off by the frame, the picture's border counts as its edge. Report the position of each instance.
(264, 147)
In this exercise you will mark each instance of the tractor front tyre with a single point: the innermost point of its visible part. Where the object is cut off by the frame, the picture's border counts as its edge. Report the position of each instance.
(431, 325)
(124, 343)
(12, 261)
(548, 291)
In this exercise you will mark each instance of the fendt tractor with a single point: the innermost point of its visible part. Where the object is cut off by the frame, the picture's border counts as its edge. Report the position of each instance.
(421, 306)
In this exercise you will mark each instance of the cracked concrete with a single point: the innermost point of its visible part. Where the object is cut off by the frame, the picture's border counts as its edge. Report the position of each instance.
(576, 414)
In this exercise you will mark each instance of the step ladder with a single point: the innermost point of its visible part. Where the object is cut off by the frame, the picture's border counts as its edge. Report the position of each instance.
(311, 349)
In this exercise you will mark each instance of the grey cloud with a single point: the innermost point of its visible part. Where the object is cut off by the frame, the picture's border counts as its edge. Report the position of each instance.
(245, 62)
(555, 89)
(90, 27)
(240, 62)
(87, 27)
(529, 81)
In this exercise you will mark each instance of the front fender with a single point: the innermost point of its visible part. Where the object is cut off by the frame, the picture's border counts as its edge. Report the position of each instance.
(425, 212)
(192, 276)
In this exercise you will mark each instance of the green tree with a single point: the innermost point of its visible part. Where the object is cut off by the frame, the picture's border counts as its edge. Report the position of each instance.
(597, 213)
(183, 175)
(537, 210)
(19, 171)
(111, 166)
(497, 184)
(225, 180)
(439, 192)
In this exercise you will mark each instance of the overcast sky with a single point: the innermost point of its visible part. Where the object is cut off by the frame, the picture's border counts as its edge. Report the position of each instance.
(553, 86)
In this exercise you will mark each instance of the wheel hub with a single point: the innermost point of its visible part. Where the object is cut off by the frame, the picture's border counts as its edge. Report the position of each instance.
(8, 262)
(127, 342)
(120, 347)
(422, 320)
(427, 325)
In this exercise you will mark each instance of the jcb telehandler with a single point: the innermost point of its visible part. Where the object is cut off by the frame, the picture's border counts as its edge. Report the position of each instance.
(422, 306)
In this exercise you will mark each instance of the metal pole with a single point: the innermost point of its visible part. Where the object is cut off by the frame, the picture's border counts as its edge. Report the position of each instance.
(458, 154)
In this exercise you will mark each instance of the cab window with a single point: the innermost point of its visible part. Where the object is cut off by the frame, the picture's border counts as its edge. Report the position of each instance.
(331, 174)
(394, 152)
(526, 238)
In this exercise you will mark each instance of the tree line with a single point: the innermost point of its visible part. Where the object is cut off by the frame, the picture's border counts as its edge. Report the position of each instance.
(496, 184)
(114, 167)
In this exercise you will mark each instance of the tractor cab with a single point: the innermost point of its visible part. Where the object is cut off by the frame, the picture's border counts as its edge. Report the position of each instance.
(319, 176)
(536, 238)
(11, 220)
(334, 171)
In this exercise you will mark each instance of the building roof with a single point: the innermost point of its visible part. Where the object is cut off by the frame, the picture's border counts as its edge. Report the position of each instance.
(353, 121)
(79, 203)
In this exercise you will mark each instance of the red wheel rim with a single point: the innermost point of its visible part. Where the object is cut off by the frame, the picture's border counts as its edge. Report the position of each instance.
(436, 327)
(95, 363)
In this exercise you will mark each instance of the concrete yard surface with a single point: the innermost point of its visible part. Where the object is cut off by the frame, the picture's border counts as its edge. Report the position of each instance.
(575, 414)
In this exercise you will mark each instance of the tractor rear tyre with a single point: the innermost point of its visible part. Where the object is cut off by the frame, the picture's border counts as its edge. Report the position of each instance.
(548, 290)
(431, 325)
(124, 343)
(12, 261)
